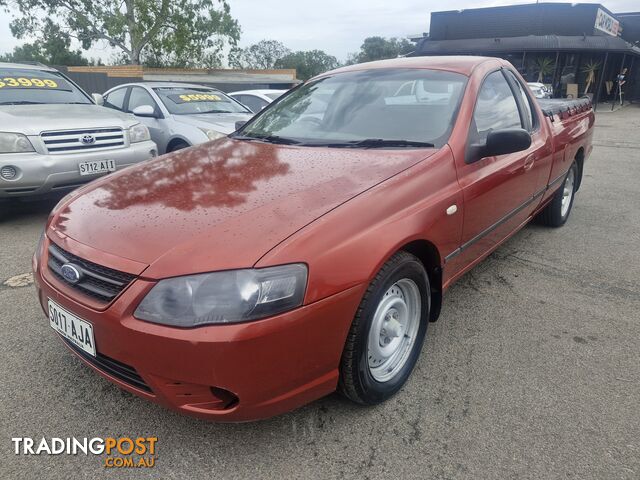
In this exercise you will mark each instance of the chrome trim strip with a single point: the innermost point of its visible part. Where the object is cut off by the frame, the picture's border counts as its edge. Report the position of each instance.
(508, 216)
(558, 179)
(451, 255)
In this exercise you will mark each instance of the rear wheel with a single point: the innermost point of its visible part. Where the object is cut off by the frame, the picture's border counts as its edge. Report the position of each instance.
(557, 212)
(387, 332)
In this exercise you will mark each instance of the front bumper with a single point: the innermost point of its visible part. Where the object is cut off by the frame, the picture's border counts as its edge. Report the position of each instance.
(41, 174)
(270, 366)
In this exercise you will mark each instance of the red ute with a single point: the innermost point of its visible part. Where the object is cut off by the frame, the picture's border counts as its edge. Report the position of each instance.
(308, 251)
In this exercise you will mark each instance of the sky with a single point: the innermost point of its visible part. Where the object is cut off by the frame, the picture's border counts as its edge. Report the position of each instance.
(335, 26)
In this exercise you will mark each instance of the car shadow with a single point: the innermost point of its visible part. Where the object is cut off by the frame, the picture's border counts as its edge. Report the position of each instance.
(18, 210)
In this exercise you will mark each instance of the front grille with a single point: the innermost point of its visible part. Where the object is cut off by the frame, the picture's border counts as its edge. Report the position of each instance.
(123, 372)
(96, 281)
(82, 140)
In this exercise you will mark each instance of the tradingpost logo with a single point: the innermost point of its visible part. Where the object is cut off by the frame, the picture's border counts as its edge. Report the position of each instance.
(117, 452)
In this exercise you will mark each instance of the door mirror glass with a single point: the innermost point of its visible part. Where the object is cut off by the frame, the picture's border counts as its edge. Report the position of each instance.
(144, 111)
(240, 124)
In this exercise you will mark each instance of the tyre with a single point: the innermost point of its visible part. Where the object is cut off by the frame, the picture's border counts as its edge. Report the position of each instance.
(387, 333)
(177, 146)
(557, 212)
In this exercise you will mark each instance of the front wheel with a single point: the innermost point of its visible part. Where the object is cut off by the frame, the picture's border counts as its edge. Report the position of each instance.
(557, 212)
(387, 332)
(177, 146)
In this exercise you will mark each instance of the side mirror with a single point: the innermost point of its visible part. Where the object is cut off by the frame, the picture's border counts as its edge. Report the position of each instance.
(97, 99)
(144, 111)
(500, 142)
(240, 124)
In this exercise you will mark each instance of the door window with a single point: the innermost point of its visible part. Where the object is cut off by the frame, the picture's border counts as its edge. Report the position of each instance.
(115, 99)
(139, 97)
(496, 107)
(529, 117)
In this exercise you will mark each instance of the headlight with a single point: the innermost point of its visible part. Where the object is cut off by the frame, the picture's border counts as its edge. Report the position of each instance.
(14, 143)
(212, 134)
(138, 133)
(225, 297)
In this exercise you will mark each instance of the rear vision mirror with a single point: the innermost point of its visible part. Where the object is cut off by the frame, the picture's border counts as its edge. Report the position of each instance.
(144, 111)
(500, 142)
(97, 99)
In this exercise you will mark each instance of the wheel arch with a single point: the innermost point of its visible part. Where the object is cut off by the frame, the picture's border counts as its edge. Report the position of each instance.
(579, 158)
(174, 141)
(431, 259)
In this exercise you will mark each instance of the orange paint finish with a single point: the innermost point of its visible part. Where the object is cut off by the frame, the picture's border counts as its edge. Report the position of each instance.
(233, 204)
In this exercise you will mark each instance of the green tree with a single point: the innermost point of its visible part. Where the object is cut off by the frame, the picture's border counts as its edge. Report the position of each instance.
(173, 29)
(544, 66)
(380, 48)
(261, 55)
(53, 49)
(308, 64)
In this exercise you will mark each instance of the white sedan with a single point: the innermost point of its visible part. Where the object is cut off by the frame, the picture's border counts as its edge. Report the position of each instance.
(256, 100)
(540, 90)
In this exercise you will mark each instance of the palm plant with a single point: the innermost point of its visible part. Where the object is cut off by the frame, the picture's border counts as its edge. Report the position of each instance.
(544, 66)
(590, 68)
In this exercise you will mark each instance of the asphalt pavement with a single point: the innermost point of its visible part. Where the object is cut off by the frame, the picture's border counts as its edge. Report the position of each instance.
(532, 371)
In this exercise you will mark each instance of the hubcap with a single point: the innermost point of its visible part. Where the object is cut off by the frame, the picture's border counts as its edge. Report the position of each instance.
(394, 329)
(567, 193)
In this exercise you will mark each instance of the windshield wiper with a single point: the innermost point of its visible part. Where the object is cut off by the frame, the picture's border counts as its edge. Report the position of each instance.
(209, 111)
(21, 102)
(268, 139)
(379, 143)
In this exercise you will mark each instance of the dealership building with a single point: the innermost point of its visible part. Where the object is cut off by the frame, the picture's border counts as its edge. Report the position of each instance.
(578, 49)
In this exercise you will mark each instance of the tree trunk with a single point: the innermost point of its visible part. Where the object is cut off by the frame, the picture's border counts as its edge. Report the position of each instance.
(134, 58)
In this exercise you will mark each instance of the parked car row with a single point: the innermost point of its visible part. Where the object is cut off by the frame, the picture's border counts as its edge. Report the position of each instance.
(55, 137)
(178, 115)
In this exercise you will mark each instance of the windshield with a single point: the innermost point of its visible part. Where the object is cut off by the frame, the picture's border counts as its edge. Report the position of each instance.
(384, 108)
(26, 86)
(194, 101)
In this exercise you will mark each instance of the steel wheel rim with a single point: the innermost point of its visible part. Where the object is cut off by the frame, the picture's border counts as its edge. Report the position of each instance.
(567, 193)
(394, 329)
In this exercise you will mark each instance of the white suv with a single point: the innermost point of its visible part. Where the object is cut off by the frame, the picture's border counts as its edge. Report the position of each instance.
(53, 137)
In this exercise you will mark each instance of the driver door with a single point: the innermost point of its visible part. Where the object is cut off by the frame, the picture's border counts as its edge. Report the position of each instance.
(499, 190)
(156, 125)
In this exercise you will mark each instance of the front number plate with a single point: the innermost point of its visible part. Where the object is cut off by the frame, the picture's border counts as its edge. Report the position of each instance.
(76, 330)
(93, 168)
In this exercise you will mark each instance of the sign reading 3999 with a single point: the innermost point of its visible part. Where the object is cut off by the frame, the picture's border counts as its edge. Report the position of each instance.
(24, 82)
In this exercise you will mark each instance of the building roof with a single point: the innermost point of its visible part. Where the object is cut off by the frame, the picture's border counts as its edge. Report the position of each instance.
(516, 20)
(528, 43)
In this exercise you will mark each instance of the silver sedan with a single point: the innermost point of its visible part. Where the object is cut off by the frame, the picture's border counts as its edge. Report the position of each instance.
(178, 115)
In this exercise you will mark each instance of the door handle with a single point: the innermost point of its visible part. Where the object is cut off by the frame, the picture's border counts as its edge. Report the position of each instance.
(529, 161)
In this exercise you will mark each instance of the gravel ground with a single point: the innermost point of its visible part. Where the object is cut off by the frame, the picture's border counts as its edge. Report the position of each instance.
(532, 371)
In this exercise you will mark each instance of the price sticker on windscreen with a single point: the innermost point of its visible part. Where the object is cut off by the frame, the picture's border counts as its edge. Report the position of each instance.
(195, 97)
(31, 80)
